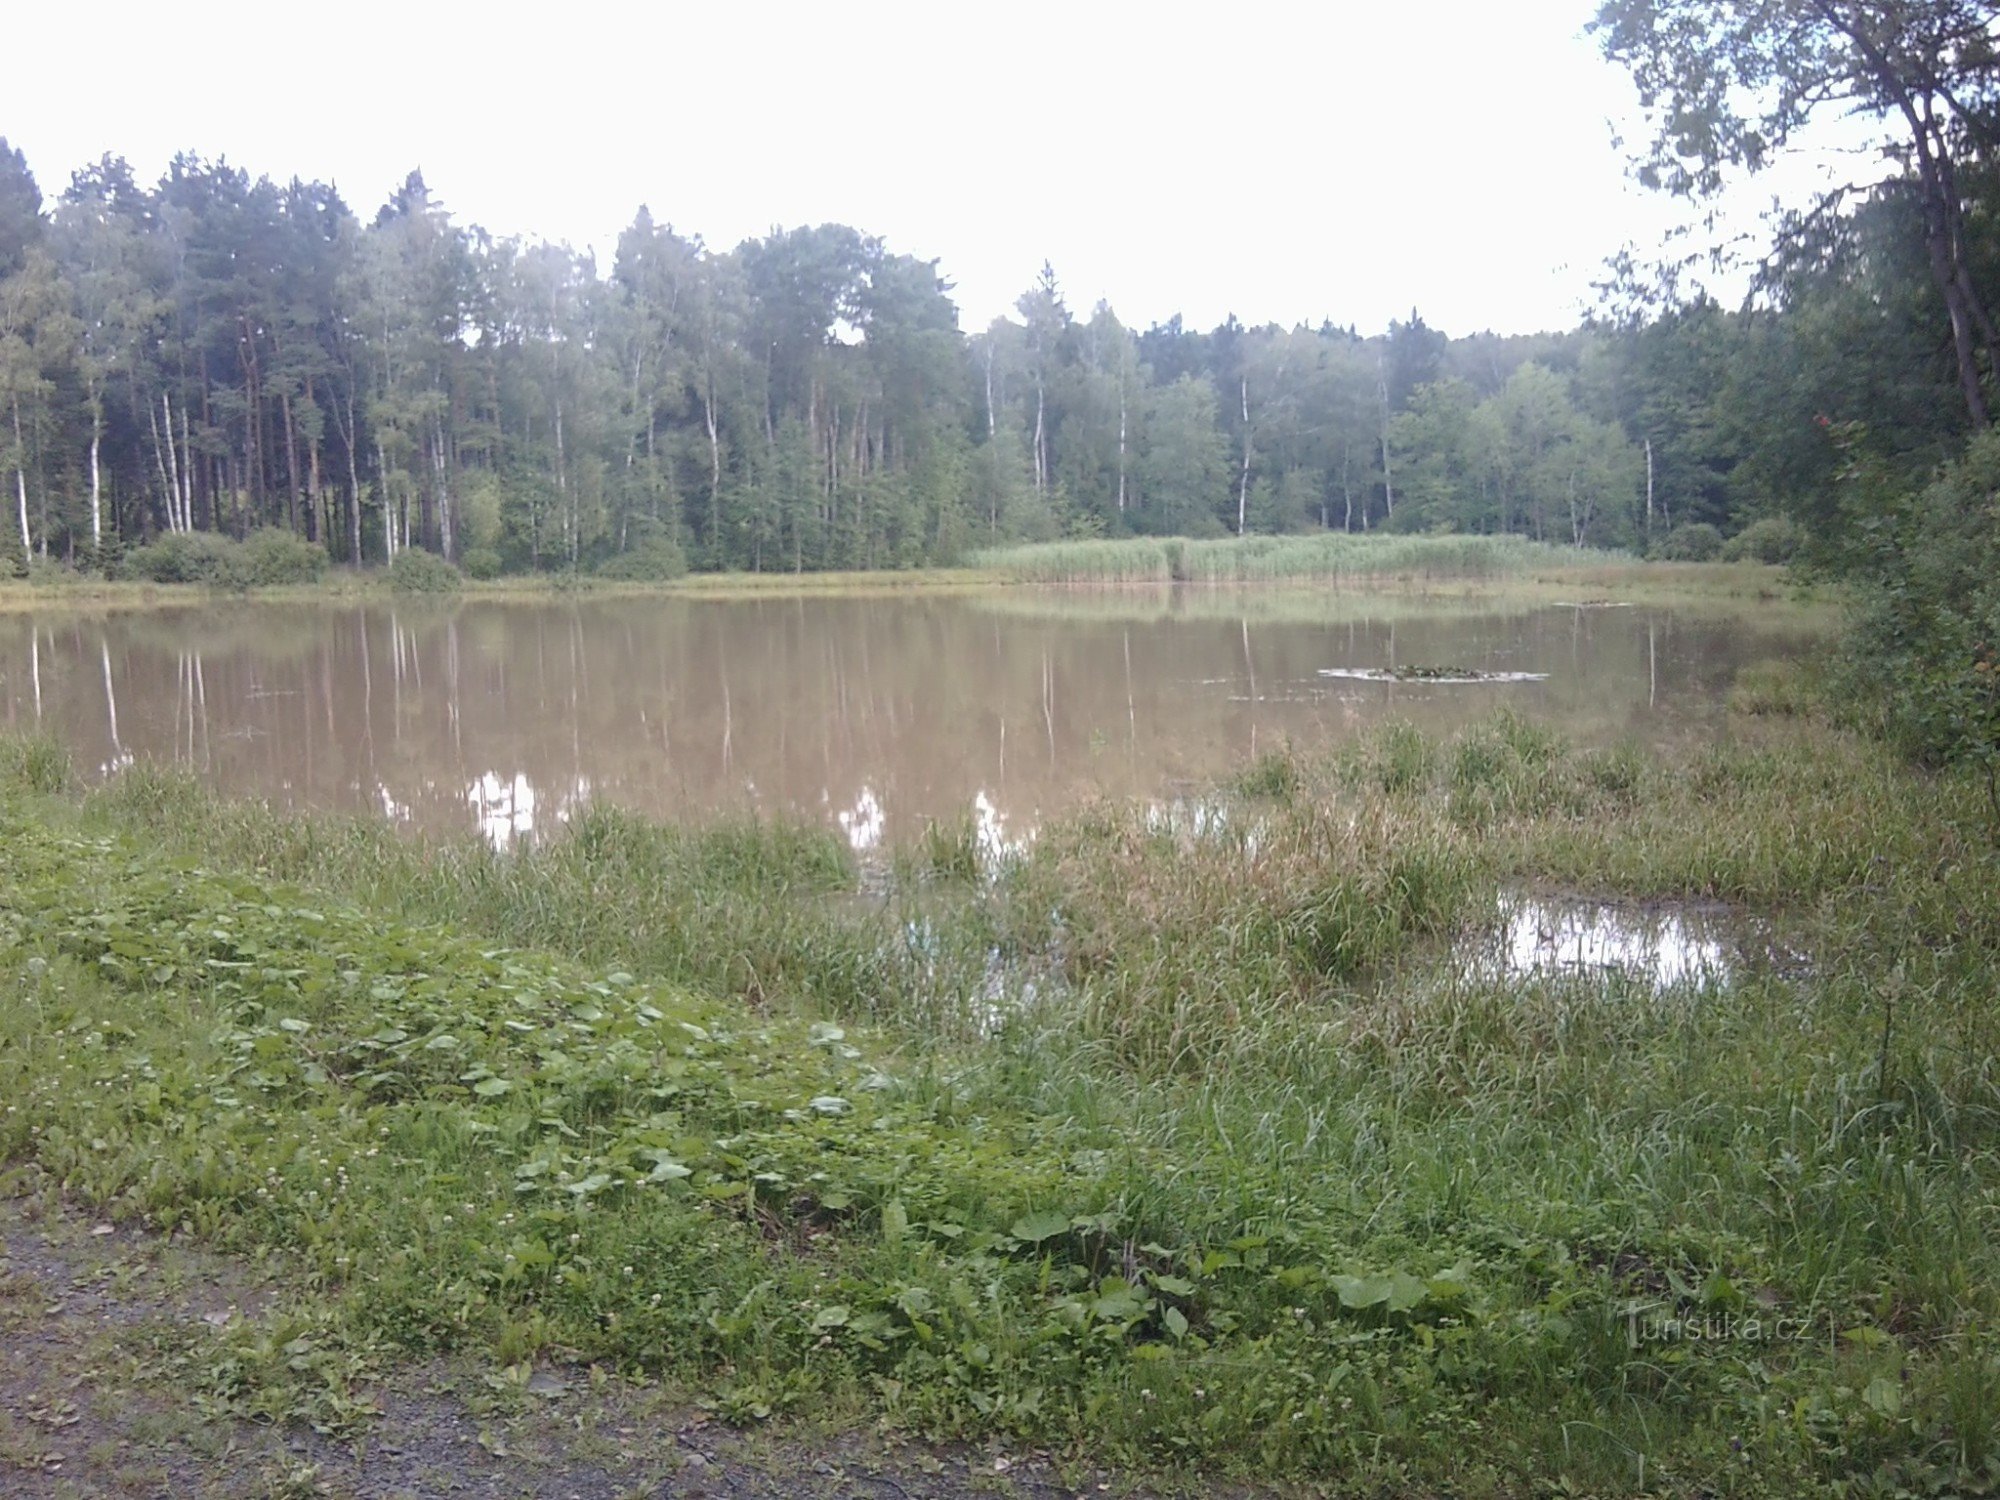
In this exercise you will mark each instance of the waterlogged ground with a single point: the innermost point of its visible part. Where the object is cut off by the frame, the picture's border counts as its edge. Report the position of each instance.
(872, 716)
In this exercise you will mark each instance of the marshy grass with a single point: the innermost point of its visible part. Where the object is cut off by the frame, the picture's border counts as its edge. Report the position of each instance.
(1779, 689)
(1258, 1181)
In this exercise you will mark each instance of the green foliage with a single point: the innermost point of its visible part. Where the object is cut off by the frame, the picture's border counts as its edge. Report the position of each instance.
(1769, 539)
(189, 557)
(271, 557)
(1691, 541)
(1922, 658)
(657, 560)
(418, 571)
(482, 564)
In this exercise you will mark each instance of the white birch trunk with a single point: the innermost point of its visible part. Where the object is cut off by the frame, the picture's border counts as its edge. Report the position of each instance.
(96, 489)
(353, 483)
(388, 506)
(174, 520)
(1041, 451)
(1243, 482)
(1388, 474)
(1121, 442)
(714, 459)
(187, 475)
(160, 465)
(21, 488)
(562, 489)
(1649, 488)
(447, 532)
(21, 492)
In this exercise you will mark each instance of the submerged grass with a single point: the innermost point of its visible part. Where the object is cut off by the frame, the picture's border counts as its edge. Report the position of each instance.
(1255, 1181)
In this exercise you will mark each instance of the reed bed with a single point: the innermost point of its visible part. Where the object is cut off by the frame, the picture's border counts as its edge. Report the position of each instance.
(1329, 557)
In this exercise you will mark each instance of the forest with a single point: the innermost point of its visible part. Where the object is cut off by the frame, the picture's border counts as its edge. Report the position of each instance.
(222, 354)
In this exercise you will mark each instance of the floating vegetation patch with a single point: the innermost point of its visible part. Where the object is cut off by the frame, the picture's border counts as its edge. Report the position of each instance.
(1442, 675)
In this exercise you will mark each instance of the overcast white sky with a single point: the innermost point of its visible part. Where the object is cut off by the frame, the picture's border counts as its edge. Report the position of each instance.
(1283, 162)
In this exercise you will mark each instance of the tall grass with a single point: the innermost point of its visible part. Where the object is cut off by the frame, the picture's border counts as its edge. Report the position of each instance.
(1327, 557)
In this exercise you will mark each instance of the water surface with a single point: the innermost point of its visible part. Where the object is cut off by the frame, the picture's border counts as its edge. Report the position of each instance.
(874, 715)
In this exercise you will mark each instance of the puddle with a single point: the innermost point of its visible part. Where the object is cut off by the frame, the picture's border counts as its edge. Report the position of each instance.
(1007, 989)
(1004, 988)
(1666, 947)
(508, 810)
(997, 847)
(1204, 820)
(1188, 818)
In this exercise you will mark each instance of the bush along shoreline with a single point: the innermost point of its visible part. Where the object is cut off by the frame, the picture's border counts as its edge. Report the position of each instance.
(1232, 1170)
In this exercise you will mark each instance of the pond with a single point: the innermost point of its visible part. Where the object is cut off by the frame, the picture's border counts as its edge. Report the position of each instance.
(875, 715)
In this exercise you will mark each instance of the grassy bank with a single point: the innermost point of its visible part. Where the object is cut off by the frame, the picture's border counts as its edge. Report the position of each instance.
(1430, 567)
(1176, 1141)
(347, 584)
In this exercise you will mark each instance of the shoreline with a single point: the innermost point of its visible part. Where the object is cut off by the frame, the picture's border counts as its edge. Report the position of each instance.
(1631, 581)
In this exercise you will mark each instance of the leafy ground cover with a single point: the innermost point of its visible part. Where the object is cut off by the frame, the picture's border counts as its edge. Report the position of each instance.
(1175, 1145)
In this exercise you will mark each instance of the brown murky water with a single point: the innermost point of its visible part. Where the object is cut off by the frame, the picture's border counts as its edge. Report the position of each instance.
(874, 714)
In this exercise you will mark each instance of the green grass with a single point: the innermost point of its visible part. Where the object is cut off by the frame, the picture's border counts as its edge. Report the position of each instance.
(1256, 1183)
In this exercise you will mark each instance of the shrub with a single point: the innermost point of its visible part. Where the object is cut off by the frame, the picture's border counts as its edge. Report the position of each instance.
(1694, 541)
(274, 556)
(656, 560)
(417, 571)
(1923, 654)
(481, 563)
(1772, 539)
(52, 573)
(189, 557)
(106, 561)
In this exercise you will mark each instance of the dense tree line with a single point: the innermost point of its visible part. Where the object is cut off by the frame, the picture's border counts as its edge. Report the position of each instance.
(218, 353)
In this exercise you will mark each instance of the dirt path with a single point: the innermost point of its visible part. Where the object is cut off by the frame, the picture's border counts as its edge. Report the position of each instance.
(100, 1328)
